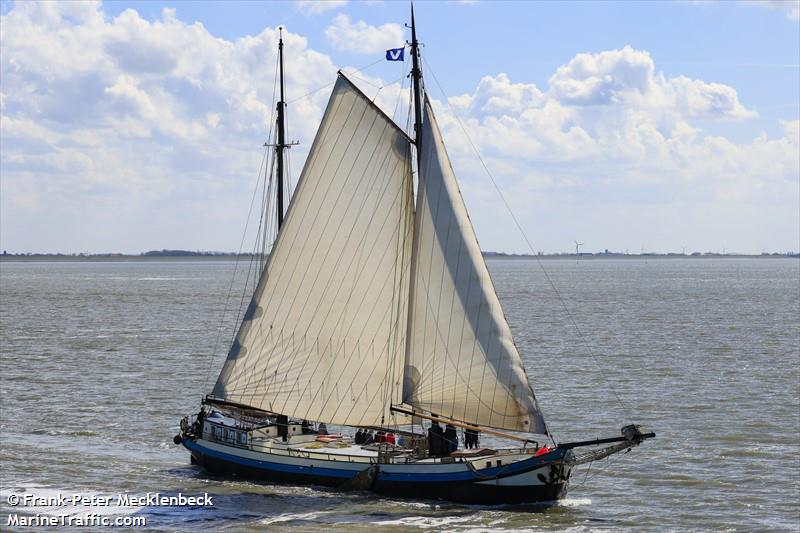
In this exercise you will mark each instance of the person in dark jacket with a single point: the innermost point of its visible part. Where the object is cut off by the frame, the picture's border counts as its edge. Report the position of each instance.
(470, 438)
(451, 439)
(437, 444)
(359, 438)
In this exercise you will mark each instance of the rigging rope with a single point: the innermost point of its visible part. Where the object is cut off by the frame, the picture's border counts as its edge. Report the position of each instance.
(527, 241)
(233, 277)
(261, 166)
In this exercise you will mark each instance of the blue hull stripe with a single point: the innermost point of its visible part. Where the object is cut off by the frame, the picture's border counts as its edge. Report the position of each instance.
(510, 469)
(266, 465)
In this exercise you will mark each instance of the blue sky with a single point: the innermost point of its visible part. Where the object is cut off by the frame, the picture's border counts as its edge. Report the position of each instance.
(654, 125)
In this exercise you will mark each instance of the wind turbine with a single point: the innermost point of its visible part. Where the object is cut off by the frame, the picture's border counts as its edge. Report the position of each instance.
(577, 247)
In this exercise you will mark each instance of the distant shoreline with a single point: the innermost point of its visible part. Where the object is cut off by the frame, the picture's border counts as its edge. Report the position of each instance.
(116, 258)
(487, 255)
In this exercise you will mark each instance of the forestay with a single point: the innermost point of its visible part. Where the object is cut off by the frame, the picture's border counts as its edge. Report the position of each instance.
(461, 361)
(323, 338)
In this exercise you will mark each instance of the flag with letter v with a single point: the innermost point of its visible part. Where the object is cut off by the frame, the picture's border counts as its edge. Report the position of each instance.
(395, 54)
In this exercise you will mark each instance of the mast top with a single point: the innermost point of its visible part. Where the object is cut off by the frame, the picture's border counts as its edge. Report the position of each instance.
(416, 76)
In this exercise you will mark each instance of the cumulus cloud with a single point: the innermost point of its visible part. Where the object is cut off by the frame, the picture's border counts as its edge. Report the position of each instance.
(610, 127)
(609, 107)
(361, 37)
(627, 77)
(116, 116)
(603, 78)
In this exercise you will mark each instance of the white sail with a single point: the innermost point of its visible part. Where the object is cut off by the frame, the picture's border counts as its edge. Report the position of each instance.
(323, 338)
(461, 361)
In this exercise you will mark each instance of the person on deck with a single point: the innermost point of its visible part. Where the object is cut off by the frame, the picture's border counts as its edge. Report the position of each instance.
(436, 440)
(369, 438)
(197, 427)
(451, 439)
(390, 438)
(322, 429)
(469, 438)
(359, 438)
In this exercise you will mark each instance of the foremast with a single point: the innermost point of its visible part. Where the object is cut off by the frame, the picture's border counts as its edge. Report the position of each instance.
(281, 145)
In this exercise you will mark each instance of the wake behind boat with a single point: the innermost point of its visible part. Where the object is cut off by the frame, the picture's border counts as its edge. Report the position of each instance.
(375, 314)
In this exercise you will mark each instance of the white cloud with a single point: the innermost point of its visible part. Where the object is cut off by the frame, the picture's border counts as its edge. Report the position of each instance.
(627, 76)
(123, 120)
(315, 7)
(790, 7)
(362, 38)
(611, 134)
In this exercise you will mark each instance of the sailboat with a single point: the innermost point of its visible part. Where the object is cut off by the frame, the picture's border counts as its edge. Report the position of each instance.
(375, 323)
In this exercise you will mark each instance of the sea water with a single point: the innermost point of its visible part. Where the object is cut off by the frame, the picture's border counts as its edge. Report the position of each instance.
(100, 360)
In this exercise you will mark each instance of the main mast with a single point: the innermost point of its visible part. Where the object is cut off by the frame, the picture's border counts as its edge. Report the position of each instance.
(280, 146)
(416, 77)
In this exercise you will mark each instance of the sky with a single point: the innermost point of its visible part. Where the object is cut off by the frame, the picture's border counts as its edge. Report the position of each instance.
(639, 126)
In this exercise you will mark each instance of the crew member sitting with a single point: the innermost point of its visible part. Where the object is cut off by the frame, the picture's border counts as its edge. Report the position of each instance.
(369, 438)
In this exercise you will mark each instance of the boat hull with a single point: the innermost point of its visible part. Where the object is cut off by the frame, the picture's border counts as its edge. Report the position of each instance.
(529, 481)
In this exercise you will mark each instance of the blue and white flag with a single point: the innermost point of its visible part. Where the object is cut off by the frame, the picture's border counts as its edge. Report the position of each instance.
(395, 54)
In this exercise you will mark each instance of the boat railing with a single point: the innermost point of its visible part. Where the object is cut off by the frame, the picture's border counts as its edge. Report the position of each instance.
(240, 438)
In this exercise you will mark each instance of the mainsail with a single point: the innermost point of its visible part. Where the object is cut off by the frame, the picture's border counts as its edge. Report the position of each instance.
(461, 361)
(323, 338)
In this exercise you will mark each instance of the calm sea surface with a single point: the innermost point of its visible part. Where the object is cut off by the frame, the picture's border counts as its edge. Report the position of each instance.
(101, 360)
